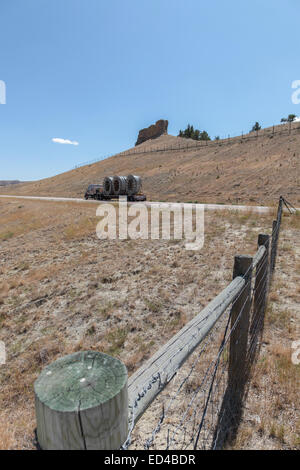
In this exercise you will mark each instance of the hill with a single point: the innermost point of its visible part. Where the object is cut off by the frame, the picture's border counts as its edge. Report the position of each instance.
(9, 182)
(254, 168)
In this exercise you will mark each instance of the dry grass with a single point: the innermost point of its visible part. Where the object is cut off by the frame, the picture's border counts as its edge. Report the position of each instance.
(272, 408)
(64, 290)
(271, 418)
(246, 171)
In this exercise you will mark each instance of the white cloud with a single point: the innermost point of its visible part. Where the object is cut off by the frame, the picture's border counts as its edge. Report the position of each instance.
(57, 140)
(297, 119)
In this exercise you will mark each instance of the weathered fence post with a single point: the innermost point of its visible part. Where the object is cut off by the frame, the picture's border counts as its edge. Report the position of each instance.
(240, 313)
(279, 210)
(273, 248)
(231, 409)
(275, 235)
(260, 294)
(82, 403)
(261, 275)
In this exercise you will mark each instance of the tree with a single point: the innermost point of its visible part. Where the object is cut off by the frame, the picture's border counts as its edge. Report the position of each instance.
(196, 135)
(256, 127)
(191, 133)
(188, 132)
(204, 136)
(290, 118)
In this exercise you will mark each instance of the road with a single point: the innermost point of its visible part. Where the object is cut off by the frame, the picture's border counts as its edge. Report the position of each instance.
(212, 207)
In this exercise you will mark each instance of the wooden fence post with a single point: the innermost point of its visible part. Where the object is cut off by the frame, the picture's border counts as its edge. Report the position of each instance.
(273, 248)
(275, 236)
(240, 313)
(82, 403)
(231, 409)
(261, 275)
(260, 293)
(279, 210)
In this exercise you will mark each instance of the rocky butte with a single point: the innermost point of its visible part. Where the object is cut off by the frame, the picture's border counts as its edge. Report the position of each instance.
(152, 132)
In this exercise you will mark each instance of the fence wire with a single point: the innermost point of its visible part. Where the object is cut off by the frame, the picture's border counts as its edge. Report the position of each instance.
(189, 144)
(201, 406)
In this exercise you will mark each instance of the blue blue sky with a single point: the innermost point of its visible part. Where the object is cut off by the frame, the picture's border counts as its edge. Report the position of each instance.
(95, 72)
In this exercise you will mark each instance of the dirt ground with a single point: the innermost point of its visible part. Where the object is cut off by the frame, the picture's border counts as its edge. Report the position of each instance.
(64, 290)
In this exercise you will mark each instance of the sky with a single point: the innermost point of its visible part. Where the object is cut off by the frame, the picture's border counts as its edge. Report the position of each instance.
(81, 77)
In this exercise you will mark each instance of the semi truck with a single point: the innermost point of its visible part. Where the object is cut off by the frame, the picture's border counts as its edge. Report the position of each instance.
(115, 186)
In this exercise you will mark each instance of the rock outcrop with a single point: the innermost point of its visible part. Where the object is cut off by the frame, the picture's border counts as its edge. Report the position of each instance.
(152, 132)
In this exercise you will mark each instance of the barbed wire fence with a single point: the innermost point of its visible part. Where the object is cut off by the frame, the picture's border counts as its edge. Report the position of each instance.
(188, 144)
(195, 386)
(202, 374)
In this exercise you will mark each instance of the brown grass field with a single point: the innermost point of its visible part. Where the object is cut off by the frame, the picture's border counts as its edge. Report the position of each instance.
(246, 170)
(64, 290)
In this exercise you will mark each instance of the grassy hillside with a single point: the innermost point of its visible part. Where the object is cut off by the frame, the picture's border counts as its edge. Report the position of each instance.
(9, 182)
(253, 169)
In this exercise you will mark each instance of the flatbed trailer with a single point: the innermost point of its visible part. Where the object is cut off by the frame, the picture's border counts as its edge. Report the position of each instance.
(116, 187)
(134, 198)
(97, 194)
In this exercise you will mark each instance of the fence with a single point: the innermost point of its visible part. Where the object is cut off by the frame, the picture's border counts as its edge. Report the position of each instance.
(202, 373)
(211, 409)
(189, 144)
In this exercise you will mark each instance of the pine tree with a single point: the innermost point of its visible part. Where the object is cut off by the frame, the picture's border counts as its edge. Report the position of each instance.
(256, 127)
(290, 118)
(204, 136)
(195, 134)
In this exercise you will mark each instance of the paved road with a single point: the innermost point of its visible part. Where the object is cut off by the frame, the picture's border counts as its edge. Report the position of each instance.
(213, 207)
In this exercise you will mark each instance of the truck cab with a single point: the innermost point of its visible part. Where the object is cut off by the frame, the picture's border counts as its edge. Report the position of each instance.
(93, 191)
